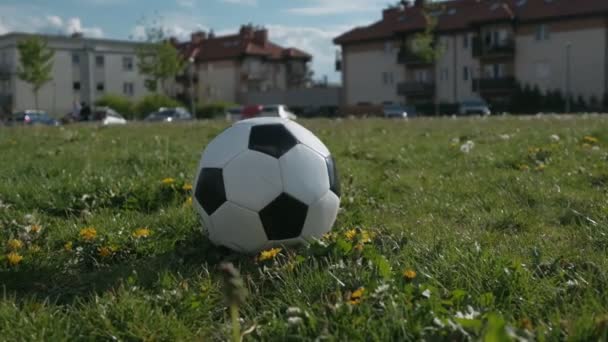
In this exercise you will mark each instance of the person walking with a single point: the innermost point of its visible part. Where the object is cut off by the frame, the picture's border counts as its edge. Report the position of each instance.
(85, 112)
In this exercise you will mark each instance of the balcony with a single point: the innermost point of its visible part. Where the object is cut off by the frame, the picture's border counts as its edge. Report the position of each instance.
(415, 88)
(408, 57)
(505, 48)
(494, 85)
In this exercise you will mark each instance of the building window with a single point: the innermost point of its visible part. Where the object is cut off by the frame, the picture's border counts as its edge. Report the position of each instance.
(99, 61)
(388, 78)
(465, 73)
(101, 87)
(128, 88)
(422, 76)
(76, 86)
(388, 47)
(75, 59)
(465, 41)
(127, 63)
(542, 32)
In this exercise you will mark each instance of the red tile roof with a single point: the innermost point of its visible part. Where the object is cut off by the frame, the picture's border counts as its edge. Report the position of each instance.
(464, 14)
(245, 43)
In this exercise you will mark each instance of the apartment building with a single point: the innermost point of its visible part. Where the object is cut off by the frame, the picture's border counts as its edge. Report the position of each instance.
(227, 67)
(486, 48)
(84, 69)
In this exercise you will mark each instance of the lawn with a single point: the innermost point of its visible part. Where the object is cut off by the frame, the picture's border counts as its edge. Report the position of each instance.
(437, 238)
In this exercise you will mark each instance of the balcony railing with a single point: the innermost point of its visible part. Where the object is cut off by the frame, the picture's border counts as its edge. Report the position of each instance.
(408, 57)
(5, 71)
(505, 48)
(415, 88)
(502, 84)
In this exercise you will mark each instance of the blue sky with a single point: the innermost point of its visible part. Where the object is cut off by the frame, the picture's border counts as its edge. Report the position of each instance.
(306, 24)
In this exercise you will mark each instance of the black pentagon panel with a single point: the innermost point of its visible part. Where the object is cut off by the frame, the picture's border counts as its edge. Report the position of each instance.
(284, 218)
(334, 180)
(210, 191)
(273, 139)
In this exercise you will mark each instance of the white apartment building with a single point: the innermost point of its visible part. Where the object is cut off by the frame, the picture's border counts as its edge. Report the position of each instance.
(487, 46)
(84, 69)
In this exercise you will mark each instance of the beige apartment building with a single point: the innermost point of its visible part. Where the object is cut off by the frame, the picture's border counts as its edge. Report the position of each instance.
(84, 69)
(227, 67)
(486, 48)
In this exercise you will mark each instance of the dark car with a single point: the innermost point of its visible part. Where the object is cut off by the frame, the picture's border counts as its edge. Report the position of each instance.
(169, 115)
(33, 117)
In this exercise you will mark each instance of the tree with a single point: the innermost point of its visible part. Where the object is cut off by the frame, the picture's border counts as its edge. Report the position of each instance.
(423, 44)
(36, 63)
(158, 59)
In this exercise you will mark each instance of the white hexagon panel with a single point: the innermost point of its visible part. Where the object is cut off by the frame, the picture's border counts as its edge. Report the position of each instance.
(226, 146)
(306, 137)
(237, 228)
(321, 216)
(305, 175)
(253, 180)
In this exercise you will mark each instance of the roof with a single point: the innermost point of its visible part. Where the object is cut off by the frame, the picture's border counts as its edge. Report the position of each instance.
(454, 15)
(245, 43)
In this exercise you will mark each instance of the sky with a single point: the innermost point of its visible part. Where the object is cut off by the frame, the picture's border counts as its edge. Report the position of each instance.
(309, 25)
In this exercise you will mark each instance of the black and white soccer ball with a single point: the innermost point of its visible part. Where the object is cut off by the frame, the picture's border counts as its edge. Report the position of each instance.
(266, 182)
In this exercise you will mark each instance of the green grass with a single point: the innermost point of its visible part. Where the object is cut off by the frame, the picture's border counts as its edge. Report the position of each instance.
(501, 245)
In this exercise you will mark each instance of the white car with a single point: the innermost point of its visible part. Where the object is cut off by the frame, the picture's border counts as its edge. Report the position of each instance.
(394, 111)
(473, 107)
(108, 116)
(280, 111)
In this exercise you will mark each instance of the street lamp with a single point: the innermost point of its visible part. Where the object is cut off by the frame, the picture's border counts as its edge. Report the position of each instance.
(568, 104)
(192, 71)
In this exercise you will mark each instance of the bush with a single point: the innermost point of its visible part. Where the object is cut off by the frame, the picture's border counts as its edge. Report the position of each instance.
(121, 104)
(152, 103)
(211, 110)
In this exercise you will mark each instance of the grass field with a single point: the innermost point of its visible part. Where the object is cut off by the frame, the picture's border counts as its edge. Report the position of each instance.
(99, 240)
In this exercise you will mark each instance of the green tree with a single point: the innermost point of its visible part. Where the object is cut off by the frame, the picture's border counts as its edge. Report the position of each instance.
(158, 59)
(36, 63)
(424, 43)
(121, 104)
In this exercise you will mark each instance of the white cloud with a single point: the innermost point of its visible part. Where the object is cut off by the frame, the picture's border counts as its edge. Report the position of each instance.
(316, 41)
(241, 2)
(186, 3)
(174, 24)
(27, 18)
(326, 7)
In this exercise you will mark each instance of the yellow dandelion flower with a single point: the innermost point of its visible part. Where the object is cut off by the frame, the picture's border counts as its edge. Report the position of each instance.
(141, 233)
(357, 296)
(329, 236)
(351, 234)
(365, 237)
(34, 248)
(35, 228)
(68, 246)
(14, 244)
(586, 146)
(168, 181)
(533, 150)
(591, 140)
(14, 258)
(269, 254)
(409, 274)
(523, 167)
(187, 187)
(104, 252)
(189, 201)
(359, 247)
(88, 234)
(540, 167)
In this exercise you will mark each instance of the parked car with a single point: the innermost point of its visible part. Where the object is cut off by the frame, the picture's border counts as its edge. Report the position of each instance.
(169, 115)
(472, 107)
(33, 117)
(108, 116)
(394, 112)
(280, 111)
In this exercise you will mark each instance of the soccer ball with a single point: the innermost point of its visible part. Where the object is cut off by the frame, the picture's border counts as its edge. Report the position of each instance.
(266, 182)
